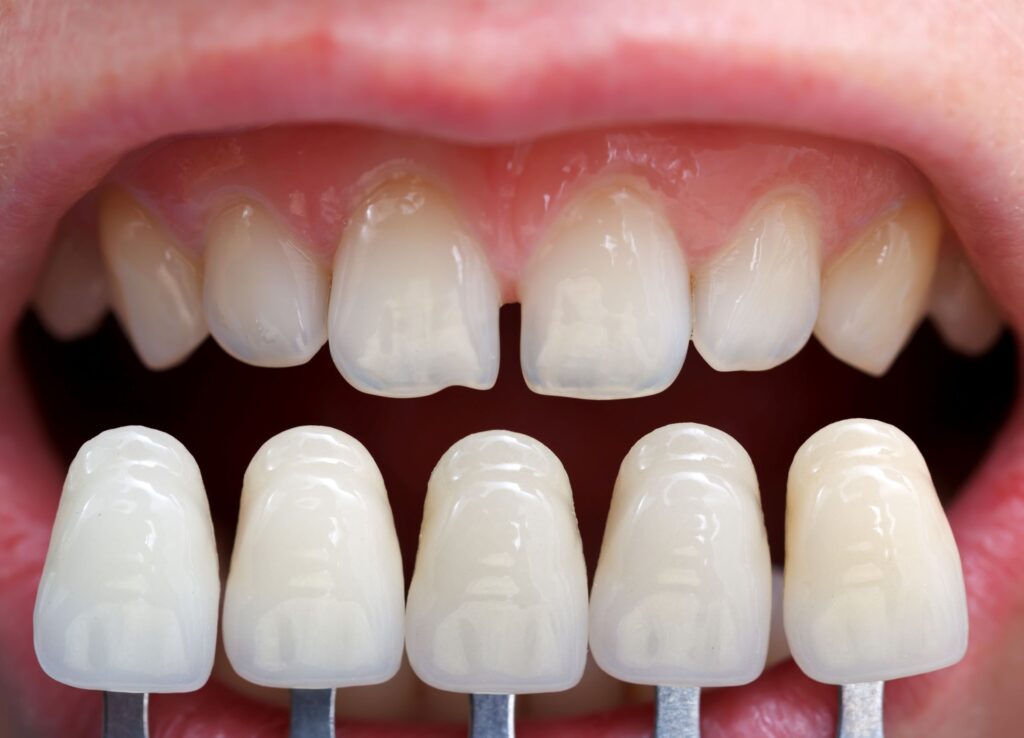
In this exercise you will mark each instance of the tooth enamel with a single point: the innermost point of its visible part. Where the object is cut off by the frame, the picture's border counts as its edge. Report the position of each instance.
(961, 309)
(71, 296)
(875, 294)
(874, 589)
(414, 305)
(682, 591)
(498, 599)
(155, 289)
(129, 591)
(265, 296)
(606, 300)
(315, 594)
(755, 302)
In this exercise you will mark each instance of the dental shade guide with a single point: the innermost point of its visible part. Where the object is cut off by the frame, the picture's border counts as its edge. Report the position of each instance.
(677, 712)
(312, 713)
(860, 710)
(492, 715)
(125, 715)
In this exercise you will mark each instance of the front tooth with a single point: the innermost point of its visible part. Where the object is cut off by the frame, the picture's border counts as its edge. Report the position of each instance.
(129, 591)
(606, 300)
(682, 592)
(873, 584)
(265, 296)
(71, 297)
(756, 301)
(875, 294)
(414, 305)
(315, 594)
(498, 599)
(964, 314)
(156, 289)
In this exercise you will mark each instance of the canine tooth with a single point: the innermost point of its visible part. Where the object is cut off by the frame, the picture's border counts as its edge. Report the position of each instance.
(682, 591)
(265, 295)
(874, 589)
(315, 594)
(875, 294)
(71, 297)
(498, 599)
(755, 302)
(129, 591)
(606, 300)
(961, 309)
(414, 305)
(156, 289)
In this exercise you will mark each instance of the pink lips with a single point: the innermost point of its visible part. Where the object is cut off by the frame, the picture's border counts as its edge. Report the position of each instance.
(868, 71)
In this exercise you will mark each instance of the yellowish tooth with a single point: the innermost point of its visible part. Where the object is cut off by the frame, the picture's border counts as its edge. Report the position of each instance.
(156, 289)
(961, 309)
(265, 295)
(71, 296)
(606, 300)
(755, 302)
(414, 305)
(875, 294)
(874, 589)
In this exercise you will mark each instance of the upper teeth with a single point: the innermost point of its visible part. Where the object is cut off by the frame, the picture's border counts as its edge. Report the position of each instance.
(606, 294)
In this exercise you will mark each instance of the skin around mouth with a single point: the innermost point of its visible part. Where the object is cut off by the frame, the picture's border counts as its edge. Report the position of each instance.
(888, 81)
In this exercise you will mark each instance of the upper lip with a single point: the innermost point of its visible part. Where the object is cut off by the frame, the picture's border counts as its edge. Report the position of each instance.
(492, 72)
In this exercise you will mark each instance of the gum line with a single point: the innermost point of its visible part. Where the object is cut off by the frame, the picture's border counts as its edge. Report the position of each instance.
(708, 177)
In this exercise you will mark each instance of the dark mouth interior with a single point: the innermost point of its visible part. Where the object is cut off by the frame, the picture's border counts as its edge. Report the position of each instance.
(223, 410)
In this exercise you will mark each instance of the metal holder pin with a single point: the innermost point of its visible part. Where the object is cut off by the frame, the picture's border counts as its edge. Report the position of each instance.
(312, 714)
(125, 715)
(492, 715)
(860, 710)
(677, 712)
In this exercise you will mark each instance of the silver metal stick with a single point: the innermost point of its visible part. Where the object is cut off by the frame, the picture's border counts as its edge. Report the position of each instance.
(677, 712)
(492, 716)
(860, 710)
(312, 713)
(125, 715)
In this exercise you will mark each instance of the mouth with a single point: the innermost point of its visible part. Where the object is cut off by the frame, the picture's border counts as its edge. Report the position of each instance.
(358, 152)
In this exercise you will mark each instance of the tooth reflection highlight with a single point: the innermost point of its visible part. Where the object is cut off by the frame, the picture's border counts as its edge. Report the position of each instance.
(876, 292)
(682, 592)
(315, 595)
(756, 300)
(71, 296)
(961, 309)
(129, 591)
(264, 294)
(606, 300)
(873, 585)
(414, 306)
(156, 289)
(498, 599)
